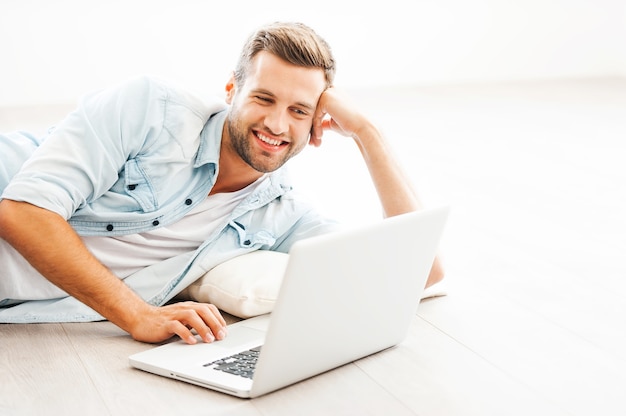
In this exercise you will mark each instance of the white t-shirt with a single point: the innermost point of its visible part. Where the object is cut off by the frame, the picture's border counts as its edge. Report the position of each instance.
(126, 254)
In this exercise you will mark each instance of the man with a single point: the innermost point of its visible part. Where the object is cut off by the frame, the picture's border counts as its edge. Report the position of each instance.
(145, 173)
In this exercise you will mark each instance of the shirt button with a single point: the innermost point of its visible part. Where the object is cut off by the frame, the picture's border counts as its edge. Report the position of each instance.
(188, 202)
(155, 222)
(110, 227)
(131, 187)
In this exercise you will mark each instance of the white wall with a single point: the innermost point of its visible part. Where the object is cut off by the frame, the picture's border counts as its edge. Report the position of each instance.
(55, 50)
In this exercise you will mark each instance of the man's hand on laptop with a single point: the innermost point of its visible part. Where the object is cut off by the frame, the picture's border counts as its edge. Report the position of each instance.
(161, 323)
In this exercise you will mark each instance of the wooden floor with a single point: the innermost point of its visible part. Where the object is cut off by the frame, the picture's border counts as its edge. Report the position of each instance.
(534, 322)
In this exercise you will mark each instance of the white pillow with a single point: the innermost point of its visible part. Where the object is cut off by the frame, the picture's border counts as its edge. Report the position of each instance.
(244, 286)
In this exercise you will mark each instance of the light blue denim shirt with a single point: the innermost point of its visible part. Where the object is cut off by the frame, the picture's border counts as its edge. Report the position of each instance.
(136, 157)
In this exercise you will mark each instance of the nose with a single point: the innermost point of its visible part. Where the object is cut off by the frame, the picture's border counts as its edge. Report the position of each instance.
(277, 121)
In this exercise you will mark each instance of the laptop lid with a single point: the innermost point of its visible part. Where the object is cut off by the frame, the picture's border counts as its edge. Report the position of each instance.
(348, 295)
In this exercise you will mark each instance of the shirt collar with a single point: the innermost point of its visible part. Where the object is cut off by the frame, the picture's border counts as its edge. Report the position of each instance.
(211, 140)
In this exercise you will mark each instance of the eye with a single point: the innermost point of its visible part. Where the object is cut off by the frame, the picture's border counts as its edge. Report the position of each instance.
(300, 113)
(263, 99)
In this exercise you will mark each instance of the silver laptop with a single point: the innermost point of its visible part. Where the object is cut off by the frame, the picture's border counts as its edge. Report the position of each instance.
(344, 296)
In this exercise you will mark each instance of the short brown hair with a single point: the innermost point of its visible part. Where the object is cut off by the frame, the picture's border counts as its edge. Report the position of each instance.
(294, 42)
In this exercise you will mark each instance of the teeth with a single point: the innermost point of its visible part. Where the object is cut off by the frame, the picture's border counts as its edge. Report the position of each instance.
(268, 140)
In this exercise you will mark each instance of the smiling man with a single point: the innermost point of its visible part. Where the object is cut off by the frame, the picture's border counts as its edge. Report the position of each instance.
(142, 175)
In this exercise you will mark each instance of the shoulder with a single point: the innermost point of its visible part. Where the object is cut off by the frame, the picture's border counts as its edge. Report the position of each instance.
(176, 95)
(144, 106)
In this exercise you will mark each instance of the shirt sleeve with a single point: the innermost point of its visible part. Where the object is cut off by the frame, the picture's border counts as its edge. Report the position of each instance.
(15, 148)
(82, 156)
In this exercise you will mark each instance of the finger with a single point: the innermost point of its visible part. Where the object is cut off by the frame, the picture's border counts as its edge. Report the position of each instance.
(217, 314)
(316, 132)
(213, 318)
(325, 124)
(315, 141)
(206, 320)
(192, 318)
(176, 327)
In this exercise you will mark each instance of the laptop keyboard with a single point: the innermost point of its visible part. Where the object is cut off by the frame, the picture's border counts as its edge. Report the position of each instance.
(241, 364)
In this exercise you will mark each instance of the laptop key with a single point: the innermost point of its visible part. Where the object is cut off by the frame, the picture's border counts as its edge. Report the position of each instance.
(241, 364)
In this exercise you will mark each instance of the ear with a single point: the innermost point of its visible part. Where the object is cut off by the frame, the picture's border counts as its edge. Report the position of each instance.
(230, 89)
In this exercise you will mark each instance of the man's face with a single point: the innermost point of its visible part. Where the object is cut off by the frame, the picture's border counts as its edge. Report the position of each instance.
(271, 114)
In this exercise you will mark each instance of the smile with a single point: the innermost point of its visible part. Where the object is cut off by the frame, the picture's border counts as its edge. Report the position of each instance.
(268, 140)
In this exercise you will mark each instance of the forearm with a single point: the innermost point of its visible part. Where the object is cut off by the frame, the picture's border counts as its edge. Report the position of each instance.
(52, 247)
(394, 189)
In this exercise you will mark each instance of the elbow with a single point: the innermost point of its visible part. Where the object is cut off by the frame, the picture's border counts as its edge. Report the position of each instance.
(14, 215)
(436, 274)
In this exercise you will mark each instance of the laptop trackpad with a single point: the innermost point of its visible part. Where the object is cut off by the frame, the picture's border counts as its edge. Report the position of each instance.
(241, 336)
